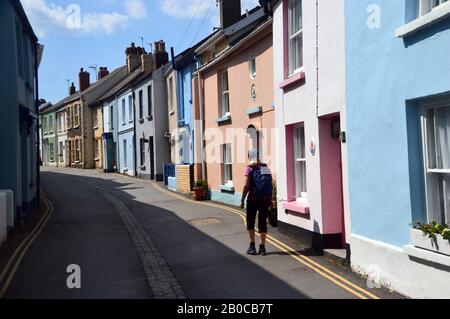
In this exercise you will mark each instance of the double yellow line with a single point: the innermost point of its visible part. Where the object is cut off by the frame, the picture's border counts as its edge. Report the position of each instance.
(308, 262)
(14, 261)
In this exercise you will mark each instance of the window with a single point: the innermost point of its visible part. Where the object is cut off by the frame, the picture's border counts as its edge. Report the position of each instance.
(52, 152)
(19, 48)
(142, 142)
(436, 131)
(252, 66)
(426, 6)
(225, 93)
(130, 108)
(125, 157)
(295, 35)
(44, 124)
(77, 115)
(111, 117)
(77, 150)
(227, 164)
(26, 57)
(95, 119)
(69, 117)
(141, 105)
(123, 112)
(171, 106)
(300, 161)
(61, 152)
(150, 100)
(50, 124)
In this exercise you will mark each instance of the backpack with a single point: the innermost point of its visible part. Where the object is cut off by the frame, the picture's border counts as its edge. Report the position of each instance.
(261, 183)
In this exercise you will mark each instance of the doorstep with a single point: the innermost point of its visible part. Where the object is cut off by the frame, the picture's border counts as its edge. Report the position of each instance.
(339, 255)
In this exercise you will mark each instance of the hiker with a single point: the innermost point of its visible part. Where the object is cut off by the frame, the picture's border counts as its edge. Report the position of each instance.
(258, 187)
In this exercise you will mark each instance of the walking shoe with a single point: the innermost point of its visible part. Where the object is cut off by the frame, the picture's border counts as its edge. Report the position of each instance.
(262, 250)
(252, 249)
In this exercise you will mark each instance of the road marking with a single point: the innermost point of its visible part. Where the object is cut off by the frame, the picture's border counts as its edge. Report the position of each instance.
(323, 271)
(25, 245)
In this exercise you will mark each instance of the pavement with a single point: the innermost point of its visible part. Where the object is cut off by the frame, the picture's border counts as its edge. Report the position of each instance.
(133, 239)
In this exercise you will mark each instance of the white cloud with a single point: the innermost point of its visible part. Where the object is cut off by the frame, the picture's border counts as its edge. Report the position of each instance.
(136, 9)
(47, 17)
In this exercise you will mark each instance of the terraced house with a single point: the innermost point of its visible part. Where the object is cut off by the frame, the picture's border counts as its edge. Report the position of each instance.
(234, 91)
(48, 132)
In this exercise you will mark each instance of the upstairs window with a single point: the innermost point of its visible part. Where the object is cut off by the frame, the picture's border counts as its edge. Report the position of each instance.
(130, 108)
(426, 6)
(50, 124)
(123, 112)
(252, 66)
(150, 100)
(171, 106)
(295, 35)
(141, 105)
(224, 93)
(19, 46)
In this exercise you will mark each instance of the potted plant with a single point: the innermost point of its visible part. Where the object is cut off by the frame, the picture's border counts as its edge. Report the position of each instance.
(200, 189)
(434, 237)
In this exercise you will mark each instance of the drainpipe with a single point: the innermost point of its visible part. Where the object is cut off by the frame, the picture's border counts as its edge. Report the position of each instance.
(133, 94)
(317, 58)
(200, 99)
(38, 166)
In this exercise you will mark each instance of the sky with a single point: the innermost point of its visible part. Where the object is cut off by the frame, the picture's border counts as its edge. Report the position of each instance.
(84, 33)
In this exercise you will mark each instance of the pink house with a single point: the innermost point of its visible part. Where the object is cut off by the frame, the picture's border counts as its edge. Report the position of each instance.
(309, 73)
(235, 84)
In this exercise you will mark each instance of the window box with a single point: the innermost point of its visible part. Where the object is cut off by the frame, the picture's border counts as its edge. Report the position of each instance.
(224, 119)
(437, 244)
(254, 110)
(295, 79)
(437, 14)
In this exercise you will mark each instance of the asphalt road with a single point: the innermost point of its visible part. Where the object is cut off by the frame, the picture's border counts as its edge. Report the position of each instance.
(131, 240)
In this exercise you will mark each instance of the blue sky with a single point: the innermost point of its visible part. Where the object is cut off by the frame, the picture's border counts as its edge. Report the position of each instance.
(102, 30)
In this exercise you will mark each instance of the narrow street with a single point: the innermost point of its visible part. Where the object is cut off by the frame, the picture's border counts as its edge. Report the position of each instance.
(133, 239)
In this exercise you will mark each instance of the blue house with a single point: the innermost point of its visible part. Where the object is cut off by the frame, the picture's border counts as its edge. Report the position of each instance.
(19, 62)
(398, 134)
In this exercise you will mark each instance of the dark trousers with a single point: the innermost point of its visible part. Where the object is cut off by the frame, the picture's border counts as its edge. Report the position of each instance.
(259, 208)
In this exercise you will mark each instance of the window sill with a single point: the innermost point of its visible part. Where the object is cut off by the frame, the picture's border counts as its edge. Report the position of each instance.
(296, 207)
(254, 110)
(227, 188)
(150, 118)
(426, 255)
(95, 127)
(439, 13)
(294, 79)
(97, 159)
(224, 119)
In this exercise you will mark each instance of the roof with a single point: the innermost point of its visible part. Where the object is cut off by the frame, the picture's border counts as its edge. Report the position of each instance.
(96, 89)
(45, 107)
(23, 16)
(124, 84)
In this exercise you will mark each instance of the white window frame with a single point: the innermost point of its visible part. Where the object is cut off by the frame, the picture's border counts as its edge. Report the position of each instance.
(171, 99)
(227, 164)
(224, 93)
(427, 6)
(125, 154)
(130, 109)
(430, 173)
(301, 188)
(291, 37)
(124, 112)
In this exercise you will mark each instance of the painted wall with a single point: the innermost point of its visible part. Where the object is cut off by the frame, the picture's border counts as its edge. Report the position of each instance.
(385, 75)
(110, 124)
(98, 132)
(320, 94)
(172, 110)
(153, 125)
(61, 118)
(125, 131)
(185, 118)
(240, 84)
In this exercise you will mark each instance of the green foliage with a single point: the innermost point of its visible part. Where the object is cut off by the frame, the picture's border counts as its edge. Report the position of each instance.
(201, 184)
(433, 229)
(274, 195)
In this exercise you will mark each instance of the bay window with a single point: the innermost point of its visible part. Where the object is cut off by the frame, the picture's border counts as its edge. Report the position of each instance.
(295, 35)
(436, 137)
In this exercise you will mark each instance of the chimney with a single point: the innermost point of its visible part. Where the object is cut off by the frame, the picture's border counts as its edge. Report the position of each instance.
(133, 55)
(84, 80)
(161, 57)
(72, 89)
(230, 12)
(147, 62)
(102, 72)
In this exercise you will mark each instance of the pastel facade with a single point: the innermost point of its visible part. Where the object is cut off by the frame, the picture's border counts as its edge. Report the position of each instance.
(172, 110)
(49, 138)
(398, 116)
(237, 93)
(61, 137)
(19, 62)
(126, 134)
(310, 116)
(97, 122)
(152, 146)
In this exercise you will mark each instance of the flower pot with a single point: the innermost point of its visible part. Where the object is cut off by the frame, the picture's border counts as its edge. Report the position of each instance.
(198, 193)
(437, 244)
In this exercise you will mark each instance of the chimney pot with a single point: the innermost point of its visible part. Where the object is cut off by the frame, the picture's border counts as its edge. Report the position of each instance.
(83, 80)
(230, 12)
(72, 89)
(103, 71)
